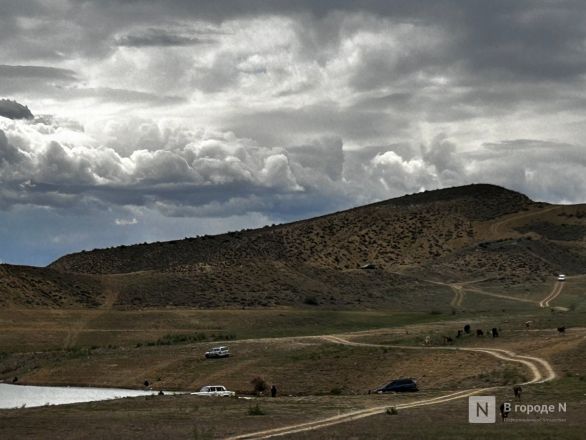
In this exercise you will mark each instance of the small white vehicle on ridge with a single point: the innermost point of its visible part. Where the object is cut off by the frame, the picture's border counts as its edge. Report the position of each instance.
(217, 352)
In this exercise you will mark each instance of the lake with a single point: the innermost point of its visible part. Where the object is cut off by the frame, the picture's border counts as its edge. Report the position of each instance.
(15, 396)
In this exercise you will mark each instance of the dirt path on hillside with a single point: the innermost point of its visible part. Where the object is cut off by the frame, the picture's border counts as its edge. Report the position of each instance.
(496, 228)
(458, 296)
(351, 416)
(111, 296)
(501, 296)
(555, 292)
(530, 362)
(541, 370)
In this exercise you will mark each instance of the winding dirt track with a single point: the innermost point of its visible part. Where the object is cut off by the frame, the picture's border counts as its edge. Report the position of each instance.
(496, 228)
(458, 296)
(555, 292)
(541, 370)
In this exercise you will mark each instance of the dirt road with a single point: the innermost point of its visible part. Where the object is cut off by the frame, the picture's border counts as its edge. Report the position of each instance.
(541, 371)
(555, 292)
(458, 296)
(496, 228)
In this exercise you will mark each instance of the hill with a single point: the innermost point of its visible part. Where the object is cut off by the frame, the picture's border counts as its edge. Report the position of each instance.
(444, 235)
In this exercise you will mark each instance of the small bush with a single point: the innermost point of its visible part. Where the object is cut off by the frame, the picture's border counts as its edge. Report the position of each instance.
(181, 338)
(255, 410)
(511, 375)
(202, 434)
(311, 301)
(259, 384)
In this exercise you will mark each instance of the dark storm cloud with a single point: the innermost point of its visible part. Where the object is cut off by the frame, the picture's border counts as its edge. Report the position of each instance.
(314, 120)
(284, 109)
(108, 94)
(29, 80)
(14, 110)
(36, 73)
(160, 37)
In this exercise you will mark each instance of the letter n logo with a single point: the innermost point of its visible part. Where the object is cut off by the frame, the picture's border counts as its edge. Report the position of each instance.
(482, 409)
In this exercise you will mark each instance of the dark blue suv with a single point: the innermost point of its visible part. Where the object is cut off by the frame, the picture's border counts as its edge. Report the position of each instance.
(398, 386)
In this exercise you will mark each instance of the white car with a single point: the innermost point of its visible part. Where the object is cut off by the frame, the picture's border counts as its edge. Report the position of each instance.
(561, 277)
(214, 391)
(218, 352)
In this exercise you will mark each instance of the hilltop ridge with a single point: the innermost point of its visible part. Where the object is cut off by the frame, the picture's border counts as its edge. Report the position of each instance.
(447, 235)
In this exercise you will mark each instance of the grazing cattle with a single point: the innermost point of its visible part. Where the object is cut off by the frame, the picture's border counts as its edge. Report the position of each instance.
(161, 393)
(562, 330)
(427, 340)
(528, 324)
(479, 332)
(447, 340)
(15, 379)
(504, 414)
(459, 335)
(467, 328)
(517, 390)
(495, 332)
(146, 383)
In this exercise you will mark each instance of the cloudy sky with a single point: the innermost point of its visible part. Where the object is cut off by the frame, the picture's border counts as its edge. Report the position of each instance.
(159, 120)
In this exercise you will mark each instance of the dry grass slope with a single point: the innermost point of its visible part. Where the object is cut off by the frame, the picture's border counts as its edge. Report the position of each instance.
(449, 235)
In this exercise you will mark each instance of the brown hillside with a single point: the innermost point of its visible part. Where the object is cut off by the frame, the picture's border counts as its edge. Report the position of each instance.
(448, 235)
(404, 231)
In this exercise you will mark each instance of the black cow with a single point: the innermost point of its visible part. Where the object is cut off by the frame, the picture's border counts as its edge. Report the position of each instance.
(479, 332)
(447, 340)
(517, 390)
(562, 330)
(495, 332)
(467, 329)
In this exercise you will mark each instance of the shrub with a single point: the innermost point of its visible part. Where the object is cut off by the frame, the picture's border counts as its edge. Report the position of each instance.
(311, 300)
(259, 384)
(255, 410)
(202, 434)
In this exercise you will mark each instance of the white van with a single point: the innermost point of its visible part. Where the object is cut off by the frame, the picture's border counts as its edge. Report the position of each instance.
(561, 277)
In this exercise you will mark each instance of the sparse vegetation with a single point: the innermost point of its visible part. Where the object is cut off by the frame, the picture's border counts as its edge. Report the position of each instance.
(311, 300)
(259, 385)
(149, 312)
(255, 410)
(181, 338)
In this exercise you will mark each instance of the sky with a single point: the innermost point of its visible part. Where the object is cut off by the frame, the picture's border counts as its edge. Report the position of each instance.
(160, 120)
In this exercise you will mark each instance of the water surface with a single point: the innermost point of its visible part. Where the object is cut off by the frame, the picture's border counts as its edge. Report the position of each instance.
(17, 396)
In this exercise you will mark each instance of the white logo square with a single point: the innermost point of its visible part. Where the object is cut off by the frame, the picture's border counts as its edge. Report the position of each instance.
(482, 409)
